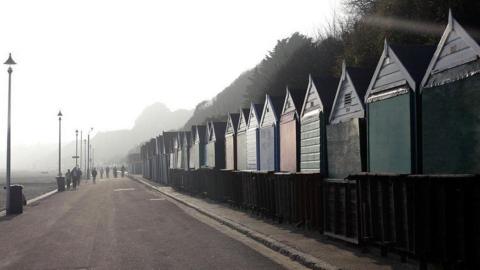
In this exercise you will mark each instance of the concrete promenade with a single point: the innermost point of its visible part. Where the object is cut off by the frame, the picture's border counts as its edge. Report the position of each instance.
(123, 224)
(311, 249)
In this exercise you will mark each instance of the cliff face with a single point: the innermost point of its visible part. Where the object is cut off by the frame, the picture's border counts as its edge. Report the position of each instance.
(111, 147)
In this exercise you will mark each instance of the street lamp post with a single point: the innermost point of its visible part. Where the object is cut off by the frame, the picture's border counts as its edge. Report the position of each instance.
(10, 63)
(76, 157)
(59, 143)
(81, 149)
(88, 154)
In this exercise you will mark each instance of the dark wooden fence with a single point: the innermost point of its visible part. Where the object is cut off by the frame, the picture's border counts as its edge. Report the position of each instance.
(430, 218)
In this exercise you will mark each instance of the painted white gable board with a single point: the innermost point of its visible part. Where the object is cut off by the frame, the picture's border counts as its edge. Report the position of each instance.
(312, 100)
(341, 111)
(253, 118)
(456, 47)
(288, 104)
(242, 122)
(269, 116)
(230, 128)
(389, 73)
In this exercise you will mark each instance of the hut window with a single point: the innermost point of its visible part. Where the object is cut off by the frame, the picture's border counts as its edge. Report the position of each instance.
(288, 104)
(311, 103)
(347, 101)
(267, 110)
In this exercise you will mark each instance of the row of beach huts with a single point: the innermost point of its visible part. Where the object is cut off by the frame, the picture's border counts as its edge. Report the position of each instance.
(382, 154)
(418, 111)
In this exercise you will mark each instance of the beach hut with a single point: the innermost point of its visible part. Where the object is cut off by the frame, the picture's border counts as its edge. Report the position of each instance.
(451, 104)
(199, 146)
(161, 159)
(186, 150)
(242, 140)
(253, 155)
(391, 102)
(169, 145)
(314, 116)
(216, 145)
(231, 141)
(290, 130)
(269, 134)
(178, 148)
(156, 161)
(191, 160)
(346, 132)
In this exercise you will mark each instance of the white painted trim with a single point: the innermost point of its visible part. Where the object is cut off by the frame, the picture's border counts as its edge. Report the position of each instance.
(388, 52)
(452, 25)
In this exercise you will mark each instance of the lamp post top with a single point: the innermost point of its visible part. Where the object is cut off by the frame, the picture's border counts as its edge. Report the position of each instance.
(59, 114)
(10, 60)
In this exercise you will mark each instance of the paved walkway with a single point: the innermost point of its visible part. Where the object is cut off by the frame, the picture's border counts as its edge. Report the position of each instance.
(327, 253)
(119, 224)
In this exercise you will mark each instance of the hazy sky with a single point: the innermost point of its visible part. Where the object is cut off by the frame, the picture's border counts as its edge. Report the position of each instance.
(102, 62)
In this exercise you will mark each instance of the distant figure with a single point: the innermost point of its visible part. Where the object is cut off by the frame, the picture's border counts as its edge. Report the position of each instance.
(75, 174)
(68, 178)
(107, 171)
(80, 173)
(115, 172)
(94, 174)
(123, 171)
(101, 172)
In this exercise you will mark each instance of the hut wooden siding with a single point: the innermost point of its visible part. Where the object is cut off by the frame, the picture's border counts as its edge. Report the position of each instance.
(186, 150)
(169, 138)
(269, 134)
(231, 141)
(216, 145)
(346, 133)
(391, 109)
(199, 146)
(316, 107)
(253, 152)
(191, 160)
(162, 163)
(242, 140)
(290, 131)
(178, 148)
(451, 105)
(207, 147)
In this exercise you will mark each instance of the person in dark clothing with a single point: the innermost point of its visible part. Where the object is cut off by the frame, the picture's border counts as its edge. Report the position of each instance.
(94, 174)
(101, 172)
(115, 172)
(123, 171)
(107, 171)
(79, 176)
(75, 174)
(68, 178)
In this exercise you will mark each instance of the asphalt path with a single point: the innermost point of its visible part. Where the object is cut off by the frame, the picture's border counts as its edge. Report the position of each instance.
(121, 224)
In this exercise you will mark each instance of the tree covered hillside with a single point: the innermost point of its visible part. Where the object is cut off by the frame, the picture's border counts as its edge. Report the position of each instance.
(358, 37)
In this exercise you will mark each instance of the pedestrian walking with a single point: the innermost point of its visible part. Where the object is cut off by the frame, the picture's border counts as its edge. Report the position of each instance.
(79, 178)
(123, 171)
(74, 175)
(107, 171)
(94, 174)
(68, 178)
(115, 172)
(101, 172)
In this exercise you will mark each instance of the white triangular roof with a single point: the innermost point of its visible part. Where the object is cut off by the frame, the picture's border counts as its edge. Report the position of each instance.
(253, 113)
(384, 61)
(456, 47)
(343, 79)
(268, 104)
(311, 87)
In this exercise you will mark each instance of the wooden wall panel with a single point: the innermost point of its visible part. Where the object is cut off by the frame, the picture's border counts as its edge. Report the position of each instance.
(289, 146)
(242, 151)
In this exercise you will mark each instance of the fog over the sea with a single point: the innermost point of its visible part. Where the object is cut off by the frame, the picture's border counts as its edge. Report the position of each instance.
(103, 62)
